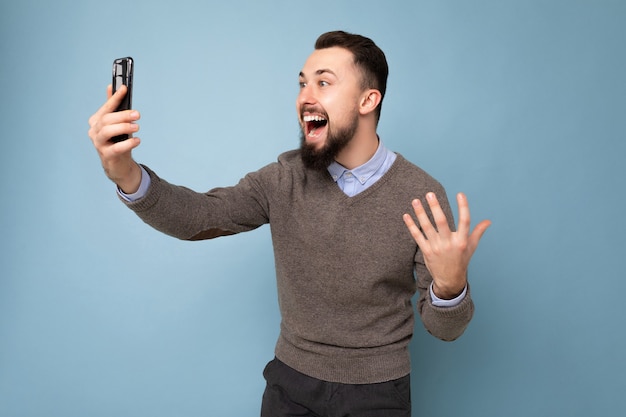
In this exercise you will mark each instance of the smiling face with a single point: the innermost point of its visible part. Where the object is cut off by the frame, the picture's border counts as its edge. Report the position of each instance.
(328, 104)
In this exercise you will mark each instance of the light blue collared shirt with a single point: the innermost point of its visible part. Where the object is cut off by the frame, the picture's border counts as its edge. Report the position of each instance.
(351, 182)
(361, 178)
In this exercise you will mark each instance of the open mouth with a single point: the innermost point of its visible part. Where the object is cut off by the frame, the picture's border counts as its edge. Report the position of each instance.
(314, 125)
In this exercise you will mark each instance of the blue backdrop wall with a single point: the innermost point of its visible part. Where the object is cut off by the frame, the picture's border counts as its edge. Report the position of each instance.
(520, 104)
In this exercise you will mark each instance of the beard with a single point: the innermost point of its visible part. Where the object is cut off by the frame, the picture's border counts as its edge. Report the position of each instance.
(320, 159)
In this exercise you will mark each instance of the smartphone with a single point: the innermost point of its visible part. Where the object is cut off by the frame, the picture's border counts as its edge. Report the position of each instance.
(123, 75)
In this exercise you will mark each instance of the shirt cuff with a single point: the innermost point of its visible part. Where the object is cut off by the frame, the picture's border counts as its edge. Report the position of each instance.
(141, 192)
(438, 302)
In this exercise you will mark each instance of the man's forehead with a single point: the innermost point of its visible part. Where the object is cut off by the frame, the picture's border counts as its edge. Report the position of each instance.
(333, 60)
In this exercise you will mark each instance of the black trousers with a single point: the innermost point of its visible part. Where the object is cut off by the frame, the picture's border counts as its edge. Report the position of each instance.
(290, 393)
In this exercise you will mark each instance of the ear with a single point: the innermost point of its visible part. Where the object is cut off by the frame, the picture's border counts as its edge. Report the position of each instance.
(370, 99)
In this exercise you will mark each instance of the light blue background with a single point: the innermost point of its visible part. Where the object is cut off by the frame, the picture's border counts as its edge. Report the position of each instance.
(520, 104)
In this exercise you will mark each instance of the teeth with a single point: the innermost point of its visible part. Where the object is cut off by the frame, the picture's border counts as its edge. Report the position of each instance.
(313, 118)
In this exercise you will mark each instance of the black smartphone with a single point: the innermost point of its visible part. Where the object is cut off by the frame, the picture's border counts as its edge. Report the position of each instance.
(123, 75)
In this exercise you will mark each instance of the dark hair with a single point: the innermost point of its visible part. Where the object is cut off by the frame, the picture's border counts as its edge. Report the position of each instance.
(368, 57)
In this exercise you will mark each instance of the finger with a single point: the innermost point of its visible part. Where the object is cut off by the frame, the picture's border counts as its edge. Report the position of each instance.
(116, 98)
(115, 129)
(414, 229)
(114, 124)
(125, 146)
(464, 214)
(422, 218)
(478, 232)
(439, 216)
(124, 116)
(113, 101)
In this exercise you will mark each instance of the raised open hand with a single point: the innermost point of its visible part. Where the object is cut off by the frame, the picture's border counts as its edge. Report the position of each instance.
(446, 253)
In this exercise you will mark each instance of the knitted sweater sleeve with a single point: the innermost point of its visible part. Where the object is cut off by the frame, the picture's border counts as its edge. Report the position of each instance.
(189, 215)
(445, 323)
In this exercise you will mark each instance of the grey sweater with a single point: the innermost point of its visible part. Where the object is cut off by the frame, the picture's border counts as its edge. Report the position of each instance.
(345, 266)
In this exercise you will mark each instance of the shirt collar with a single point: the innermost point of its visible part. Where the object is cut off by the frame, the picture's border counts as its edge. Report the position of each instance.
(363, 172)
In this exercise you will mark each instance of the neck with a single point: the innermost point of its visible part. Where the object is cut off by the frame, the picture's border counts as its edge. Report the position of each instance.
(361, 149)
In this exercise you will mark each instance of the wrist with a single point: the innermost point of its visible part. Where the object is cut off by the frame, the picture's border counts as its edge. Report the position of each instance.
(447, 293)
(127, 176)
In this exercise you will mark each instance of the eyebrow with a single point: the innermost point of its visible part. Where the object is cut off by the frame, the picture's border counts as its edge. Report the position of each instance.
(320, 72)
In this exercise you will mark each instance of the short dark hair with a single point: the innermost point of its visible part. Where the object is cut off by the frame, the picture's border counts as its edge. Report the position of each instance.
(368, 57)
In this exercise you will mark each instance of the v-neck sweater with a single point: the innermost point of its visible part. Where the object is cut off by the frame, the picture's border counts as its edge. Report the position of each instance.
(346, 267)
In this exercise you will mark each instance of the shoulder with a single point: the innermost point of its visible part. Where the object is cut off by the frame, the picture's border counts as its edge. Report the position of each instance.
(290, 159)
(408, 171)
(419, 182)
(284, 172)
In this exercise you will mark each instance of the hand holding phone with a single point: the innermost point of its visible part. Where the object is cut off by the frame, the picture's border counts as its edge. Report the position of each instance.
(123, 75)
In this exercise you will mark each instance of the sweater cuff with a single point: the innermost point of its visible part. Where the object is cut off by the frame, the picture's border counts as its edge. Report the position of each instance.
(141, 192)
(439, 302)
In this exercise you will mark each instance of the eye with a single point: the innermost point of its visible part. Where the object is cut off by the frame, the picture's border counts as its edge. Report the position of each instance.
(302, 84)
(324, 83)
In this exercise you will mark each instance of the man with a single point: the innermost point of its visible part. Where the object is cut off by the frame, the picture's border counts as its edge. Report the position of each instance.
(348, 256)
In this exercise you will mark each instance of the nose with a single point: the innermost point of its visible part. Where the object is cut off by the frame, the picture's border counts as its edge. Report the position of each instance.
(306, 96)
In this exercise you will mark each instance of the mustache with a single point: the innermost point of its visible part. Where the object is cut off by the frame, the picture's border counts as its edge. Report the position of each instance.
(313, 109)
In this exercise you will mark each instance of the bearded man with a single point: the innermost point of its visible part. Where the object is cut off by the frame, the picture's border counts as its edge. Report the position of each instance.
(348, 256)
